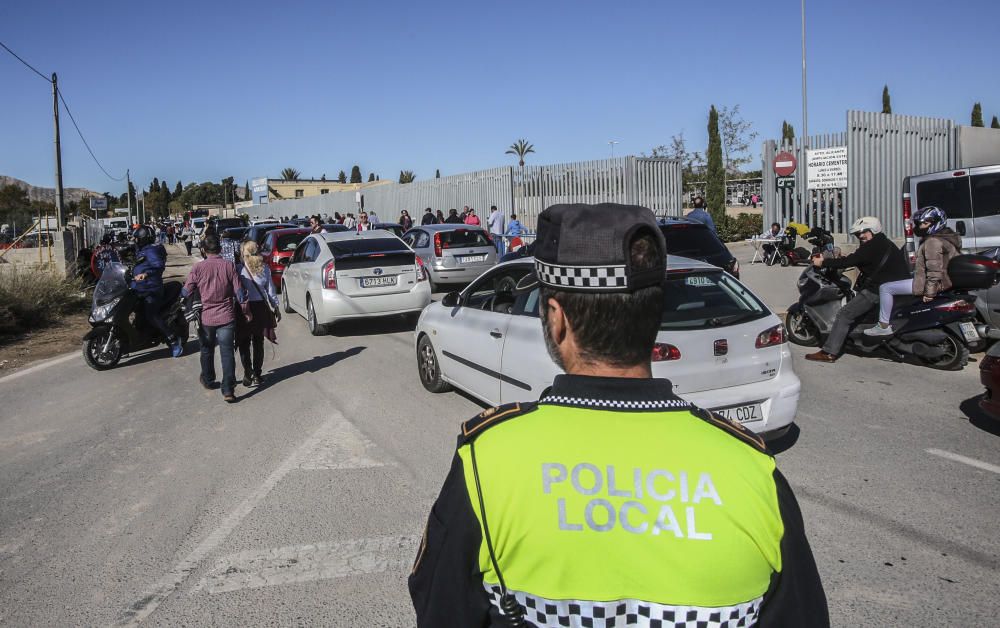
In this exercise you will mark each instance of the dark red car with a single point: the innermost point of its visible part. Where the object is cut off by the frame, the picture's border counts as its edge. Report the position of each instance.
(278, 244)
(989, 375)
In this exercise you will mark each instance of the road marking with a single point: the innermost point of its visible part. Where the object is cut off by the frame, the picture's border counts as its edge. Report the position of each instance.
(972, 462)
(38, 367)
(306, 563)
(169, 583)
(341, 446)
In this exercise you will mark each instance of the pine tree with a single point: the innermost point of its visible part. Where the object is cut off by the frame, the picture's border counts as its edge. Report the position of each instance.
(437, 173)
(356, 175)
(342, 177)
(886, 105)
(371, 177)
(715, 176)
(977, 115)
(995, 124)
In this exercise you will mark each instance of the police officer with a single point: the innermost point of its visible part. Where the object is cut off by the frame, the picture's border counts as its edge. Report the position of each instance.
(611, 501)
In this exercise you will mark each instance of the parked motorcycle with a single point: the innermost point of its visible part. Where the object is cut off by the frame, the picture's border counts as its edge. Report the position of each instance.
(939, 334)
(787, 253)
(119, 324)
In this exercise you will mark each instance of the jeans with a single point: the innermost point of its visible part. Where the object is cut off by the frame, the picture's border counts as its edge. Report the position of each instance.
(221, 336)
(855, 309)
(151, 304)
(499, 241)
(187, 245)
(252, 365)
(885, 293)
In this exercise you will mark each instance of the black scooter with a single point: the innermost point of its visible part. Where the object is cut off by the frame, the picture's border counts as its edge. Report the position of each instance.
(119, 324)
(939, 334)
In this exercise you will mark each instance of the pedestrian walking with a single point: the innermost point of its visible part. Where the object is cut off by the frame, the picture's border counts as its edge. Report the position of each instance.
(700, 214)
(405, 220)
(439, 217)
(453, 217)
(372, 217)
(221, 292)
(171, 233)
(315, 224)
(611, 501)
(337, 218)
(495, 223)
(428, 217)
(350, 221)
(188, 236)
(471, 218)
(364, 224)
(255, 277)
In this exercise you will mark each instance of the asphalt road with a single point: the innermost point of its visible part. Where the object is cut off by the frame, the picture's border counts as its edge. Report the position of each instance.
(135, 495)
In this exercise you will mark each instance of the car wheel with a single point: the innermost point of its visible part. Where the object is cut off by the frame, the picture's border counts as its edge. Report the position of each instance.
(801, 330)
(428, 367)
(956, 355)
(285, 305)
(785, 261)
(314, 327)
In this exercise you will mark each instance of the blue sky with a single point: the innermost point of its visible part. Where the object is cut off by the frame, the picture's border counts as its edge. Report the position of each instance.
(202, 90)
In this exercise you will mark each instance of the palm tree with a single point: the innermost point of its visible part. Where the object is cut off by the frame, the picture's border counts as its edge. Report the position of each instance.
(290, 174)
(520, 148)
(406, 176)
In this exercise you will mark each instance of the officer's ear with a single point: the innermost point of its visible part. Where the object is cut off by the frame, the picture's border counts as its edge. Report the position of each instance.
(556, 318)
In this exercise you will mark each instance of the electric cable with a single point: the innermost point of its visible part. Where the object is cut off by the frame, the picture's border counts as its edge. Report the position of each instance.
(80, 133)
(28, 65)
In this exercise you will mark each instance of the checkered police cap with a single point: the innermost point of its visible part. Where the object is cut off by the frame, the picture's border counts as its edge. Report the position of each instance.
(587, 248)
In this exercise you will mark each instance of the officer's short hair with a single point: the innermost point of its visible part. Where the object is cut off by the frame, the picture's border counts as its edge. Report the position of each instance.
(618, 329)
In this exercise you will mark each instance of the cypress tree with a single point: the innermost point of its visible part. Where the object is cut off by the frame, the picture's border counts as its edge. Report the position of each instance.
(246, 191)
(371, 177)
(154, 187)
(178, 189)
(886, 105)
(437, 173)
(977, 115)
(995, 124)
(165, 191)
(355, 175)
(342, 177)
(715, 176)
(787, 133)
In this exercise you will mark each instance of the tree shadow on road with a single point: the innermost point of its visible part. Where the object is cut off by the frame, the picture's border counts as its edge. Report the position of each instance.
(970, 408)
(312, 365)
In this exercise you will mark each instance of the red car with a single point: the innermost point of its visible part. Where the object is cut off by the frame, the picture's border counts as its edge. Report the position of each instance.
(278, 244)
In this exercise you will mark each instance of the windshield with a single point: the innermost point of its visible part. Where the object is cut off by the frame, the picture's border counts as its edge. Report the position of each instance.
(287, 243)
(111, 285)
(691, 241)
(699, 300)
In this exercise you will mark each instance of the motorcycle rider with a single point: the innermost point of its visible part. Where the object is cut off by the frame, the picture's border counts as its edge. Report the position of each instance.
(880, 261)
(940, 244)
(147, 282)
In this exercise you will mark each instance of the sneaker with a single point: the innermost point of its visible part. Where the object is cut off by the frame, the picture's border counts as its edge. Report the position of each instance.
(176, 349)
(247, 381)
(878, 330)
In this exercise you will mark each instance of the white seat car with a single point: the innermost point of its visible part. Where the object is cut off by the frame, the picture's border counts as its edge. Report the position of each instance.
(719, 345)
(344, 275)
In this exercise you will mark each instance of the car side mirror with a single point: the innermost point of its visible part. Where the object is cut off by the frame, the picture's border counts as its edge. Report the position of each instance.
(452, 299)
(960, 227)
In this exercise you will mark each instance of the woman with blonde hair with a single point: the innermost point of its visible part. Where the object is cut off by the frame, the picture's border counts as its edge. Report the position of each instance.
(263, 316)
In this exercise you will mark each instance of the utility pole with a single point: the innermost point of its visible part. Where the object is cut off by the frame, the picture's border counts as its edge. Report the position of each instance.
(128, 195)
(612, 143)
(59, 180)
(805, 114)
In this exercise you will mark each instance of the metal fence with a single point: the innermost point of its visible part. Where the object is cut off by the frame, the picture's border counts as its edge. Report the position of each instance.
(653, 183)
(882, 149)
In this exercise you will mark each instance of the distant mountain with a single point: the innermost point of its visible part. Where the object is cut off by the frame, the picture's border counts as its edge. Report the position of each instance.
(48, 195)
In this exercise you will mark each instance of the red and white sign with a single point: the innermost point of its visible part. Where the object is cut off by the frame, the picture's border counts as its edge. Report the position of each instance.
(784, 164)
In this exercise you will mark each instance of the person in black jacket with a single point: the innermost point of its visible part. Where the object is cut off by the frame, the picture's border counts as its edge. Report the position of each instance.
(879, 261)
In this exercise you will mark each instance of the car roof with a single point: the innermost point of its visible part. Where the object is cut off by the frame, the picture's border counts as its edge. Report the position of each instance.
(449, 227)
(674, 263)
(371, 234)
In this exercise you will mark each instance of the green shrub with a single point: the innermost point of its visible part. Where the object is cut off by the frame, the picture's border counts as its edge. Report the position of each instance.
(740, 228)
(32, 298)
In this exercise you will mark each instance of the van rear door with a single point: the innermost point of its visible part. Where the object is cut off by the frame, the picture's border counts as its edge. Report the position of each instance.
(985, 184)
(950, 191)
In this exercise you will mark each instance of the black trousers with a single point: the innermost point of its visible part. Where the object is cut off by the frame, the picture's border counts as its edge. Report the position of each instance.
(252, 353)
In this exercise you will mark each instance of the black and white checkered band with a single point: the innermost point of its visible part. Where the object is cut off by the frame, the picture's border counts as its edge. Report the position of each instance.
(542, 612)
(617, 404)
(598, 278)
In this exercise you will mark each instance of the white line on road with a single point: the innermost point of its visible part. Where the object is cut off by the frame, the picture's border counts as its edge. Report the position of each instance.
(305, 563)
(38, 367)
(305, 453)
(972, 462)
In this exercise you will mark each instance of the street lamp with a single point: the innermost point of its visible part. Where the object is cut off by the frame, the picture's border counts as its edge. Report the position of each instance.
(612, 143)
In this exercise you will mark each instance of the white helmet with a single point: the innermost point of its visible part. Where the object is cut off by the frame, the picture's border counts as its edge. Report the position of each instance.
(866, 223)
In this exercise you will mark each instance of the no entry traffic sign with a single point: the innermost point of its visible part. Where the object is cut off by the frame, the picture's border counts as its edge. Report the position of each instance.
(784, 164)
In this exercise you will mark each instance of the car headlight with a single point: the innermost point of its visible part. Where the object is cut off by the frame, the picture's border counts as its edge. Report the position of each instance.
(101, 312)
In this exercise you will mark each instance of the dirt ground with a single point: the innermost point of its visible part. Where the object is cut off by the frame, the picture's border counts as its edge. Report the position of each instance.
(20, 350)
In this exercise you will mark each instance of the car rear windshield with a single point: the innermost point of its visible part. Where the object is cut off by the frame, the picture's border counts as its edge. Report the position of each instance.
(227, 223)
(463, 238)
(367, 246)
(950, 194)
(698, 300)
(691, 241)
(287, 243)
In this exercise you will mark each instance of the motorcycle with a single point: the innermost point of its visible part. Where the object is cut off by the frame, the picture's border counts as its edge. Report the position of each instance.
(119, 326)
(939, 334)
(787, 253)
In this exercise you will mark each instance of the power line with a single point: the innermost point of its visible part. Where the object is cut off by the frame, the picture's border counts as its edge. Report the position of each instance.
(80, 133)
(28, 65)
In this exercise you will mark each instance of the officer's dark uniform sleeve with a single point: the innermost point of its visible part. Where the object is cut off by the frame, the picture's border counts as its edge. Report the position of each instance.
(795, 597)
(446, 584)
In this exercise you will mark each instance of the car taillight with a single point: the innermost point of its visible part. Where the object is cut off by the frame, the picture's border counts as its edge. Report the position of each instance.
(437, 245)
(421, 271)
(907, 208)
(959, 306)
(330, 275)
(771, 337)
(663, 352)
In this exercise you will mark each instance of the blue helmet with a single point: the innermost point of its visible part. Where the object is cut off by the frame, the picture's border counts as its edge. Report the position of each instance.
(933, 215)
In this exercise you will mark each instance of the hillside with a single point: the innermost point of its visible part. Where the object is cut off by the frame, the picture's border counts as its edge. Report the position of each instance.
(48, 194)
